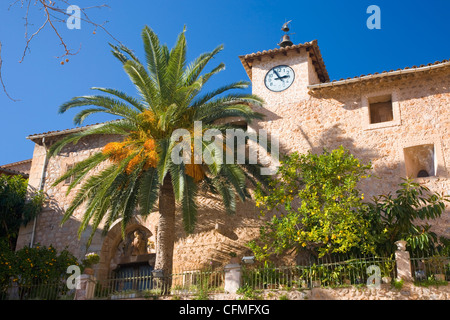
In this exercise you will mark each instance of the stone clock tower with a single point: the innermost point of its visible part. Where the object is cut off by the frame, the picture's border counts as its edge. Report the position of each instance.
(281, 78)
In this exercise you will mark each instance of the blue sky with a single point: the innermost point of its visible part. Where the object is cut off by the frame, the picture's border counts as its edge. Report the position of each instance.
(412, 33)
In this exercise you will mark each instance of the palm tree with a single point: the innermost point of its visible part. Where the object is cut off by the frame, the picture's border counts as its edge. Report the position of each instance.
(140, 175)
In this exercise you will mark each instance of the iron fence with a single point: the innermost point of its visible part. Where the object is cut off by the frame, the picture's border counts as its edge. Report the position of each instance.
(323, 272)
(146, 284)
(432, 269)
(38, 290)
(330, 272)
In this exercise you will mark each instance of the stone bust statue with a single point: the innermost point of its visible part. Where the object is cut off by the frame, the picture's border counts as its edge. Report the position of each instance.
(139, 244)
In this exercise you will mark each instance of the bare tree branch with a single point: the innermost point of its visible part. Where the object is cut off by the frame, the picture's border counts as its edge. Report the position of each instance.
(1, 78)
(54, 12)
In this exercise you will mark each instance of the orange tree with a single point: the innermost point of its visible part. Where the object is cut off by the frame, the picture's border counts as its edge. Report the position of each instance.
(41, 264)
(316, 206)
(33, 266)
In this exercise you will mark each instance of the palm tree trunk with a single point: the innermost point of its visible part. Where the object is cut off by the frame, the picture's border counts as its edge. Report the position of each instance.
(165, 234)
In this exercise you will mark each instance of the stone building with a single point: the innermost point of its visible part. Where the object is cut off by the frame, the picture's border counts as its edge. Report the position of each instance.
(398, 120)
(21, 168)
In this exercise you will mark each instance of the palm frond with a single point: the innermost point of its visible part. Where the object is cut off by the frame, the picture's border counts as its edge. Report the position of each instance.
(87, 190)
(213, 72)
(122, 95)
(175, 68)
(119, 127)
(156, 56)
(178, 176)
(235, 175)
(148, 192)
(227, 194)
(130, 196)
(105, 104)
(216, 105)
(118, 52)
(144, 83)
(208, 96)
(194, 69)
(81, 170)
(220, 112)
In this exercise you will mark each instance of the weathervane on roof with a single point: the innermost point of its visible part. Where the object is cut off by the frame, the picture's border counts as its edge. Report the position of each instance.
(285, 40)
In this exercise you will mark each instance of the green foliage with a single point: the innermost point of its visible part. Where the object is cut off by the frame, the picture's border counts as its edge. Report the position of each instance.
(319, 206)
(202, 294)
(7, 264)
(430, 282)
(31, 266)
(91, 259)
(42, 264)
(254, 276)
(397, 284)
(249, 293)
(443, 246)
(388, 266)
(15, 208)
(401, 217)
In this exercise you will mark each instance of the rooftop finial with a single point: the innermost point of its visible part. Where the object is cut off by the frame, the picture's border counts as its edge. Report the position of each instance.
(285, 26)
(285, 40)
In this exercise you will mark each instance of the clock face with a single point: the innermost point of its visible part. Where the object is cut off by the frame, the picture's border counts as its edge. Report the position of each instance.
(279, 78)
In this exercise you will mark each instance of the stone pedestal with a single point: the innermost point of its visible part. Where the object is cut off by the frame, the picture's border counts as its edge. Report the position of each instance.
(233, 276)
(402, 259)
(87, 287)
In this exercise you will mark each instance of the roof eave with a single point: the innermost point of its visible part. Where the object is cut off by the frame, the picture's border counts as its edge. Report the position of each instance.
(66, 131)
(312, 44)
(13, 172)
(55, 133)
(378, 75)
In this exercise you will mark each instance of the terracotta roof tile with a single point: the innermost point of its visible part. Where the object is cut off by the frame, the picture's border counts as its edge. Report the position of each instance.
(320, 67)
(13, 172)
(15, 163)
(65, 131)
(422, 67)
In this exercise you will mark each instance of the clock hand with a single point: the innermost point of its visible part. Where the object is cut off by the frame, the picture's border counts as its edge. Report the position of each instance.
(276, 74)
(283, 77)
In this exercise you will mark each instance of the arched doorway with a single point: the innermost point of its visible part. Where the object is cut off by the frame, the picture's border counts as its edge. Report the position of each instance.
(132, 255)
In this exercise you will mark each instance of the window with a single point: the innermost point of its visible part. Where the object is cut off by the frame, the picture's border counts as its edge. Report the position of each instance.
(69, 180)
(380, 109)
(420, 161)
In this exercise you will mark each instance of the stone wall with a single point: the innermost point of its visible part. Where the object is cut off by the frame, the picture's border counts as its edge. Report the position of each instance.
(386, 292)
(48, 228)
(303, 120)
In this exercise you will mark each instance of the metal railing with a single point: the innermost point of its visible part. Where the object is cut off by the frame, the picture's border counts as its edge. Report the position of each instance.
(324, 272)
(146, 284)
(435, 269)
(328, 272)
(39, 290)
